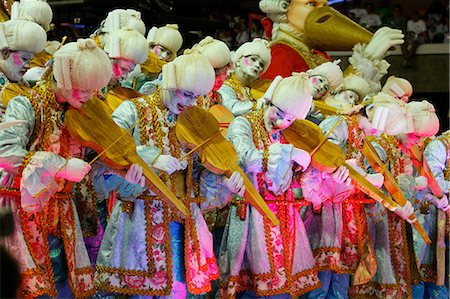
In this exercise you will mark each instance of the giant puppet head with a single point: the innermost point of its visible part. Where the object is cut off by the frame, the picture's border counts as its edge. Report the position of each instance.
(323, 27)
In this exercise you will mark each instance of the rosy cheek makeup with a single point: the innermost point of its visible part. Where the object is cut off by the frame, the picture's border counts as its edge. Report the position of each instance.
(117, 71)
(16, 59)
(247, 62)
(314, 81)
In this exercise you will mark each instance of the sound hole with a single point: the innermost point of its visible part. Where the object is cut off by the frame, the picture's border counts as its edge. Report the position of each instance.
(323, 19)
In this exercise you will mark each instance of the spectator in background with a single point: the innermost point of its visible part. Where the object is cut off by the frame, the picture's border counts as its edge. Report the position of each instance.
(371, 21)
(436, 10)
(384, 11)
(241, 34)
(436, 30)
(416, 34)
(397, 20)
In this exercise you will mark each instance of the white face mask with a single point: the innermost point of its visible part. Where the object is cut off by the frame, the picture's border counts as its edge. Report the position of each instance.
(75, 97)
(16, 64)
(250, 66)
(121, 68)
(276, 119)
(319, 86)
(177, 100)
(344, 100)
(161, 52)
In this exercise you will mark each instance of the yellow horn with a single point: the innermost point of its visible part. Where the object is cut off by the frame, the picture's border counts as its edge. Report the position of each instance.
(328, 29)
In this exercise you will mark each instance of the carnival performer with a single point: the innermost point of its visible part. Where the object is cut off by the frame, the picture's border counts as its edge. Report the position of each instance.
(39, 10)
(165, 42)
(427, 205)
(249, 61)
(142, 250)
(219, 55)
(324, 78)
(126, 48)
(118, 19)
(41, 162)
(399, 88)
(257, 258)
(388, 231)
(291, 52)
(19, 41)
(41, 13)
(331, 223)
(349, 94)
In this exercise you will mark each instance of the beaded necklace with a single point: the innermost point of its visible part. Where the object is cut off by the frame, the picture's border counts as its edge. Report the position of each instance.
(243, 93)
(157, 128)
(48, 114)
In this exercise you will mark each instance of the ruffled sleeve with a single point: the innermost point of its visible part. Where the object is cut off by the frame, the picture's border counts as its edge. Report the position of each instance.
(369, 68)
(230, 101)
(436, 155)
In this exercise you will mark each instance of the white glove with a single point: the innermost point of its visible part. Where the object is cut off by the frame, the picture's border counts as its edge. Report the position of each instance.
(383, 39)
(421, 183)
(235, 183)
(74, 170)
(167, 163)
(301, 157)
(260, 103)
(405, 212)
(440, 203)
(134, 175)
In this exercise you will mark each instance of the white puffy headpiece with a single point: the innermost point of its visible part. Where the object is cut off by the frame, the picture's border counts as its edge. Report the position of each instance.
(81, 65)
(426, 122)
(127, 44)
(39, 10)
(259, 47)
(329, 70)
(167, 36)
(356, 84)
(291, 94)
(22, 35)
(121, 18)
(216, 51)
(190, 72)
(399, 119)
(398, 87)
